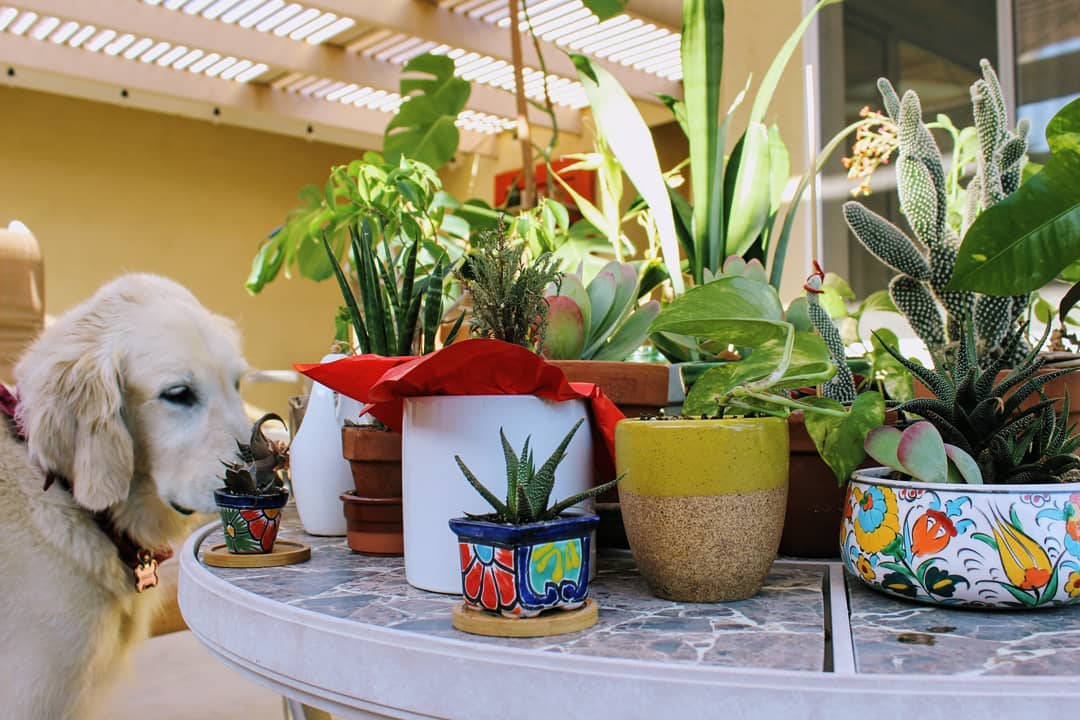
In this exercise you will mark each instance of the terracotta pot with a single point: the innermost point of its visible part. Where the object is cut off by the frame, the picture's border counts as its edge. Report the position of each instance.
(636, 389)
(815, 500)
(373, 524)
(375, 458)
(703, 502)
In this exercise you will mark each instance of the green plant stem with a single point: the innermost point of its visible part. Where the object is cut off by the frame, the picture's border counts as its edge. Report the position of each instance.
(793, 404)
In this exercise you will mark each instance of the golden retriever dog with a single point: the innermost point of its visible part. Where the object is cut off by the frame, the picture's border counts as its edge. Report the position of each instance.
(128, 404)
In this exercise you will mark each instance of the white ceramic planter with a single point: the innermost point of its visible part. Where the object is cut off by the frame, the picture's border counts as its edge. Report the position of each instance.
(435, 429)
(318, 470)
(1001, 546)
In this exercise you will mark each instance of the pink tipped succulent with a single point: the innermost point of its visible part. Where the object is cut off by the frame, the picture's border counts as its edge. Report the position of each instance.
(919, 452)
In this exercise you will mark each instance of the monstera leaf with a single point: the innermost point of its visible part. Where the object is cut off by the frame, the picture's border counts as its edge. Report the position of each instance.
(424, 127)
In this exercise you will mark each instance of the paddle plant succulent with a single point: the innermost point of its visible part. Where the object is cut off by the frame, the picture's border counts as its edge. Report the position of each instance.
(1009, 427)
(598, 321)
(919, 452)
(528, 490)
(262, 460)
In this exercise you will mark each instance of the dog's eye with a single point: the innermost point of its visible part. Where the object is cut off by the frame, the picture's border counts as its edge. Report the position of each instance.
(179, 395)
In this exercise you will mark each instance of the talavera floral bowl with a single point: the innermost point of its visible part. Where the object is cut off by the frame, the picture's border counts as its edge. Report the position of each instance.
(996, 546)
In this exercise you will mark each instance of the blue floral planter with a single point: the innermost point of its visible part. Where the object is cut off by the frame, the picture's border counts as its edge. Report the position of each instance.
(519, 571)
(250, 522)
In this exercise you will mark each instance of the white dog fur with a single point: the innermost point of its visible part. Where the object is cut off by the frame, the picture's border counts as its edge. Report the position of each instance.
(133, 396)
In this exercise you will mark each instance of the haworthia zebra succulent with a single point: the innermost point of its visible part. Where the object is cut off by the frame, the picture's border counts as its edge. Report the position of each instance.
(938, 316)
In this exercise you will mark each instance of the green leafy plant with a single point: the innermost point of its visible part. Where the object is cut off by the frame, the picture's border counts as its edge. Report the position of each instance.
(424, 127)
(737, 196)
(919, 452)
(528, 490)
(507, 291)
(920, 289)
(746, 312)
(262, 461)
(598, 321)
(1009, 426)
(378, 224)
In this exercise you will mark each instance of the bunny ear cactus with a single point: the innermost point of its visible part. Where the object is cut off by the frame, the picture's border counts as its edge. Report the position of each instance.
(920, 452)
(840, 387)
(918, 291)
(600, 321)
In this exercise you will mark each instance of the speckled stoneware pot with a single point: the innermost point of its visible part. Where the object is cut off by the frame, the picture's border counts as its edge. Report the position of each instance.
(997, 546)
(703, 503)
(520, 571)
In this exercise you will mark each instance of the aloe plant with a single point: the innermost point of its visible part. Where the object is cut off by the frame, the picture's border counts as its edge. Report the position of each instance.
(919, 452)
(528, 490)
(598, 321)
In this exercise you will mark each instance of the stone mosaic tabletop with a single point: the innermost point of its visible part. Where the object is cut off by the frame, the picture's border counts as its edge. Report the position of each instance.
(780, 628)
(785, 627)
(893, 636)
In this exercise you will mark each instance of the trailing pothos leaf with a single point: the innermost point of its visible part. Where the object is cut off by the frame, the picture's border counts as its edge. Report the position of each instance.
(424, 128)
(1024, 241)
(840, 438)
(745, 311)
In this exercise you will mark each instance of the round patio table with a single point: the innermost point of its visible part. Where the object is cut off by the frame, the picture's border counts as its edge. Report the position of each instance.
(346, 634)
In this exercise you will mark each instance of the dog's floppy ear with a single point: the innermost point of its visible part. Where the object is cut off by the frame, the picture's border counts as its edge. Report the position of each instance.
(71, 406)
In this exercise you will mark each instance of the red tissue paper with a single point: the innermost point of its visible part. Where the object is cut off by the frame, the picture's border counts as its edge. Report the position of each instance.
(471, 367)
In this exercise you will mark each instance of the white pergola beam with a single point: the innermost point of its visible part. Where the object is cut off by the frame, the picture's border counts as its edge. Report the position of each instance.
(324, 60)
(186, 93)
(427, 20)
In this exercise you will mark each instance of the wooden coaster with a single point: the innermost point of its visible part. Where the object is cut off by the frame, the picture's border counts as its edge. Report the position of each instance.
(553, 622)
(285, 552)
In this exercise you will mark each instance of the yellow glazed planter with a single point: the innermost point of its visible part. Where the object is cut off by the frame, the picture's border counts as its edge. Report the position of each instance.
(703, 503)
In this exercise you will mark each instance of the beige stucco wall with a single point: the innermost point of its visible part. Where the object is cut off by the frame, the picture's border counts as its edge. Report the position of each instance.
(108, 189)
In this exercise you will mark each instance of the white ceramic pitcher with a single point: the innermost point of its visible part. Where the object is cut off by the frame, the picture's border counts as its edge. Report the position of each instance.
(319, 472)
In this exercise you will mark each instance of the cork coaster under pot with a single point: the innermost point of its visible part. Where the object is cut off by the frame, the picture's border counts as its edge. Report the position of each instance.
(703, 503)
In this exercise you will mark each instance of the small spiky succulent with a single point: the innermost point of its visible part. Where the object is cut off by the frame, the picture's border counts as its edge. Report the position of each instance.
(528, 490)
(986, 419)
(261, 460)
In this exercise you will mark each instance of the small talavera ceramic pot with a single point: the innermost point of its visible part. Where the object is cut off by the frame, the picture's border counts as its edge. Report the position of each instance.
(703, 503)
(987, 546)
(250, 522)
(519, 571)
